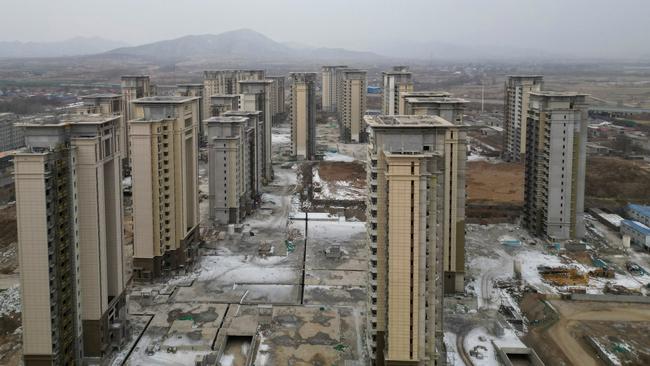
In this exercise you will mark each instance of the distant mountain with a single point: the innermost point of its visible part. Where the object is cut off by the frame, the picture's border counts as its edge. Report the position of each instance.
(72, 47)
(236, 45)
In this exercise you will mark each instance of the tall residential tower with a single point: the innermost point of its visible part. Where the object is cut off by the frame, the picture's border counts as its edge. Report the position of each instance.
(303, 114)
(517, 91)
(329, 88)
(395, 82)
(554, 189)
(353, 90)
(164, 143)
(416, 200)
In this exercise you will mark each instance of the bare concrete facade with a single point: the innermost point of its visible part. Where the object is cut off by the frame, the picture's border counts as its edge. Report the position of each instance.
(256, 96)
(416, 172)
(79, 158)
(11, 136)
(517, 90)
(256, 150)
(303, 115)
(353, 91)
(278, 103)
(419, 94)
(164, 139)
(229, 167)
(555, 165)
(221, 103)
(395, 82)
(448, 108)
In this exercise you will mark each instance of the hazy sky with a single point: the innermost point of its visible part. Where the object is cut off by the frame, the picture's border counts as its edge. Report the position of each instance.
(581, 27)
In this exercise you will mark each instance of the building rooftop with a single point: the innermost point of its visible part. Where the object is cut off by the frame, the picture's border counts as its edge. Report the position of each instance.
(441, 100)
(101, 95)
(225, 96)
(438, 94)
(383, 121)
(637, 226)
(265, 81)
(64, 119)
(226, 119)
(559, 94)
(241, 113)
(642, 209)
(167, 99)
(525, 76)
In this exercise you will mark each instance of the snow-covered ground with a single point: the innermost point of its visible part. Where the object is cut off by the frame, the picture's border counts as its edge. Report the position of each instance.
(453, 359)
(339, 190)
(10, 301)
(480, 340)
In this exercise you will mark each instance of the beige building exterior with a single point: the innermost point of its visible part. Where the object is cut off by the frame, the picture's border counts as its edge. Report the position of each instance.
(352, 107)
(517, 91)
(68, 186)
(254, 143)
(395, 82)
(415, 210)
(164, 137)
(195, 90)
(256, 96)
(225, 82)
(555, 165)
(451, 109)
(133, 87)
(329, 87)
(303, 115)
(222, 103)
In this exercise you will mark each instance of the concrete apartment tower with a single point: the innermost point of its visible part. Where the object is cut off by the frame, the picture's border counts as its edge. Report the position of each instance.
(11, 136)
(229, 158)
(555, 165)
(256, 96)
(517, 91)
(303, 114)
(222, 103)
(133, 87)
(225, 82)
(419, 94)
(68, 197)
(416, 200)
(255, 133)
(278, 107)
(448, 108)
(352, 107)
(329, 87)
(164, 136)
(195, 90)
(396, 82)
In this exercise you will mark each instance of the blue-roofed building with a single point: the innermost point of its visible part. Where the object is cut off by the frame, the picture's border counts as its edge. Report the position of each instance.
(639, 233)
(640, 213)
(374, 90)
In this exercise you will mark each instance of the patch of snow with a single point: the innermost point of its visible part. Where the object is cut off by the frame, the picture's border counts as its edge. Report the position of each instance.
(453, 359)
(10, 301)
(330, 156)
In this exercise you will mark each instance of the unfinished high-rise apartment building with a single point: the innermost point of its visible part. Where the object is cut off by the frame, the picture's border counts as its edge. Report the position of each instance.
(230, 166)
(278, 107)
(195, 90)
(221, 103)
(225, 82)
(353, 90)
(106, 104)
(448, 108)
(556, 139)
(163, 136)
(69, 210)
(303, 114)
(329, 87)
(418, 94)
(395, 82)
(415, 210)
(256, 96)
(517, 91)
(11, 136)
(255, 147)
(133, 87)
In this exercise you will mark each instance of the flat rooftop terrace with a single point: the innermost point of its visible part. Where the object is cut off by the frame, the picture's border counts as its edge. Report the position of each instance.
(167, 99)
(407, 121)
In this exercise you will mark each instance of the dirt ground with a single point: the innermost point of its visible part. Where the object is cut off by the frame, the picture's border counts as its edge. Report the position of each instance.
(495, 183)
(562, 341)
(352, 172)
(613, 182)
